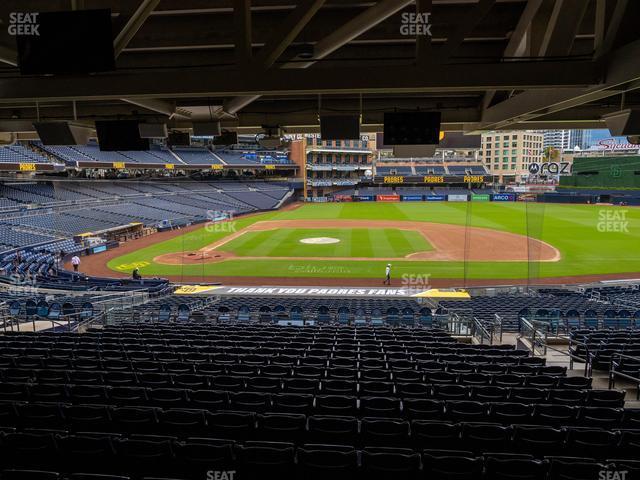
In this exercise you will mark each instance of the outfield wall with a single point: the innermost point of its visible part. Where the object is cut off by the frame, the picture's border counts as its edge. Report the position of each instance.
(569, 197)
(458, 197)
(604, 172)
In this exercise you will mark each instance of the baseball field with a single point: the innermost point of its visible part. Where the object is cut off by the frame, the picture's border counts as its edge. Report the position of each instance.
(475, 241)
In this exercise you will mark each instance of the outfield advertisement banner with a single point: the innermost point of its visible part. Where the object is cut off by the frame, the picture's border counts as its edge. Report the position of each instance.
(435, 198)
(457, 198)
(343, 198)
(503, 197)
(364, 198)
(388, 198)
(411, 198)
(483, 197)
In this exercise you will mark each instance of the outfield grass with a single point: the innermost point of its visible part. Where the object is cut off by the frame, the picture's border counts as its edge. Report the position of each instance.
(352, 242)
(577, 231)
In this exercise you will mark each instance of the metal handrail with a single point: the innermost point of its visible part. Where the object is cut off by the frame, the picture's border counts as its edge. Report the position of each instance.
(537, 338)
(498, 321)
(613, 372)
(480, 331)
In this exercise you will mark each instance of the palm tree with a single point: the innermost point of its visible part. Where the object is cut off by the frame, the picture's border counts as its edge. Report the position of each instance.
(550, 154)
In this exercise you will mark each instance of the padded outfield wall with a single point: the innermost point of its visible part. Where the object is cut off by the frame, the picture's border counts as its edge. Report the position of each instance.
(604, 172)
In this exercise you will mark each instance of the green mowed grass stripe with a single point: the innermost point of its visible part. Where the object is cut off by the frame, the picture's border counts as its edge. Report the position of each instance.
(361, 245)
(416, 243)
(279, 241)
(380, 243)
(572, 229)
(397, 242)
(357, 242)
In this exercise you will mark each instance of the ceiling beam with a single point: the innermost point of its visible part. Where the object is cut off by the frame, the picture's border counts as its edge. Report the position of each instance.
(160, 106)
(562, 27)
(8, 56)
(612, 30)
(341, 36)
(129, 30)
(519, 42)
(242, 34)
(287, 33)
(622, 74)
(352, 30)
(599, 24)
(517, 46)
(133, 25)
(465, 25)
(210, 82)
(424, 49)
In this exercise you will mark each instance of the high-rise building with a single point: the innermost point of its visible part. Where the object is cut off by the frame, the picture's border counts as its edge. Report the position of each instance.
(563, 139)
(509, 154)
(555, 138)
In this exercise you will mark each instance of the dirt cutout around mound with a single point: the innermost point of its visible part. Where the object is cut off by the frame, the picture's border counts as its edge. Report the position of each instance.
(449, 242)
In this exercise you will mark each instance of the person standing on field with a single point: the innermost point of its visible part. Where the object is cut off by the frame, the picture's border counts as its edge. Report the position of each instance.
(387, 275)
(75, 261)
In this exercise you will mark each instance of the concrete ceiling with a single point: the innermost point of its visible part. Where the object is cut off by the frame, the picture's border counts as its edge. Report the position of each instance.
(489, 64)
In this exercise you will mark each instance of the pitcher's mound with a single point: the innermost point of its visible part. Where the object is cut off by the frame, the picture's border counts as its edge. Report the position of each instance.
(319, 240)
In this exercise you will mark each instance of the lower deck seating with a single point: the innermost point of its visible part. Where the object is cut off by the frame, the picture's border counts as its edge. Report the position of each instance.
(178, 400)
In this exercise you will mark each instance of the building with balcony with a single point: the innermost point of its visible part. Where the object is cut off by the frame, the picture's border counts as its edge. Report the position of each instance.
(331, 165)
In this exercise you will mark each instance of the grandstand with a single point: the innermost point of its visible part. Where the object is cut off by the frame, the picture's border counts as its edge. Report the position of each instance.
(85, 206)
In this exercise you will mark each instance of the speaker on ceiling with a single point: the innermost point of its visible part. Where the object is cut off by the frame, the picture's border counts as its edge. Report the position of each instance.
(340, 127)
(412, 128)
(62, 133)
(120, 135)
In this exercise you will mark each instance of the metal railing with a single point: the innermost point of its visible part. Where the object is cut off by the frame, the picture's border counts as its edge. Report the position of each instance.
(456, 323)
(481, 333)
(535, 337)
(615, 370)
(562, 326)
(12, 323)
(497, 328)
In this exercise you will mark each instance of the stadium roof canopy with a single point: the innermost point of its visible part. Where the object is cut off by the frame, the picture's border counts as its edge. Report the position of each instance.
(488, 64)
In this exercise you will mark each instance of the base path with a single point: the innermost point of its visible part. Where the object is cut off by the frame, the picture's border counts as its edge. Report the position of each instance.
(450, 243)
